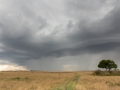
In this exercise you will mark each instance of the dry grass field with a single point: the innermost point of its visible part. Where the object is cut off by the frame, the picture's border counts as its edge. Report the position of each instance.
(36, 80)
(88, 81)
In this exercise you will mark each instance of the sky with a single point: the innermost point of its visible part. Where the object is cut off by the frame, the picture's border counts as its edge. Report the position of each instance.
(58, 35)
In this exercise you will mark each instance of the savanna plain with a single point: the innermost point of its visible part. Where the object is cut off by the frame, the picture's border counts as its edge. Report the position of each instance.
(38, 80)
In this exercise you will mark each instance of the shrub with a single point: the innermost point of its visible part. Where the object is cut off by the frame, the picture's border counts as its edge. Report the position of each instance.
(97, 72)
(106, 73)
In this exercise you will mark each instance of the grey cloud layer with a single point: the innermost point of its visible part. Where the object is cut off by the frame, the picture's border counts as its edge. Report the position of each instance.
(31, 30)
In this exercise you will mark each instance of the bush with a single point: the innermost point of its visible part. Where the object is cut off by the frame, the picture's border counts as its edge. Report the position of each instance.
(97, 72)
(106, 73)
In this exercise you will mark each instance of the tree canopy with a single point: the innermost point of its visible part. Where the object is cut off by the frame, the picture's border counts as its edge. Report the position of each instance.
(107, 64)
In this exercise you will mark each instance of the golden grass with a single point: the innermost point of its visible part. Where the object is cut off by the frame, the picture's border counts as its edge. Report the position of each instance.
(36, 80)
(88, 81)
(31, 80)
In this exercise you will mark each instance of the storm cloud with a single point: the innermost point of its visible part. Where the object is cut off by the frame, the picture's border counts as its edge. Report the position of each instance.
(54, 35)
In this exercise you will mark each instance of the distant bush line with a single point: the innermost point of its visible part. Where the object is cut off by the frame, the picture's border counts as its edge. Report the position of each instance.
(106, 73)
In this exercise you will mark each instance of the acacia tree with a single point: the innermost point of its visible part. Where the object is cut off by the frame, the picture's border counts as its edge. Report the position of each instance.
(107, 64)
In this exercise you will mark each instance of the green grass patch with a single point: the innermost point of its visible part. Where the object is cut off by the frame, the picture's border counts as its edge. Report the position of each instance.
(68, 84)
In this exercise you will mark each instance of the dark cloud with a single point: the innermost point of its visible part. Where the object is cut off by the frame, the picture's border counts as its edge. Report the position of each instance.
(88, 5)
(108, 27)
(28, 33)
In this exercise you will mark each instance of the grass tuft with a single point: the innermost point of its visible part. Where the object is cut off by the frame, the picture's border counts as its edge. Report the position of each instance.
(16, 78)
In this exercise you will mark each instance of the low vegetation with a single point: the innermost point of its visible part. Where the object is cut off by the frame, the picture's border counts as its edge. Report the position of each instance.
(68, 84)
(106, 73)
(88, 81)
(36, 80)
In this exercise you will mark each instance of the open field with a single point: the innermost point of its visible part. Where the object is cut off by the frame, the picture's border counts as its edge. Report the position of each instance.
(36, 80)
